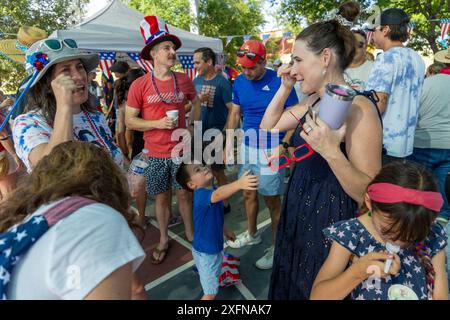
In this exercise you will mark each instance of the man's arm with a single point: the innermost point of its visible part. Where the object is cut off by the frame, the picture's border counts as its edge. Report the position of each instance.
(133, 122)
(382, 104)
(196, 113)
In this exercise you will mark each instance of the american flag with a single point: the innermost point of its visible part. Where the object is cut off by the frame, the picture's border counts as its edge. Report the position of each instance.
(107, 59)
(187, 61)
(144, 64)
(286, 36)
(265, 38)
(445, 27)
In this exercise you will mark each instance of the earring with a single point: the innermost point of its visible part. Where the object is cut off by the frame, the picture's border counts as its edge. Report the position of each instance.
(324, 72)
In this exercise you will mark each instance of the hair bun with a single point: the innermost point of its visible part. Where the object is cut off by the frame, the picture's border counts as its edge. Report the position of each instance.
(349, 11)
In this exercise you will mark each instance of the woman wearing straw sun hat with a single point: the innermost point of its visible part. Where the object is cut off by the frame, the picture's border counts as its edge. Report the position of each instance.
(14, 49)
(443, 56)
(58, 107)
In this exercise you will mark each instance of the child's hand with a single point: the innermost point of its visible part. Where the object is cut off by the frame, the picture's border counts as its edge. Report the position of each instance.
(229, 234)
(248, 182)
(373, 262)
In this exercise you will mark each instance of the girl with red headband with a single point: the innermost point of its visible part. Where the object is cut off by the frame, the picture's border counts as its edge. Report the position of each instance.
(395, 249)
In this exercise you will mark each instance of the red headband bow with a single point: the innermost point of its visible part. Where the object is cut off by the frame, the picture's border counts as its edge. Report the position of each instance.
(391, 193)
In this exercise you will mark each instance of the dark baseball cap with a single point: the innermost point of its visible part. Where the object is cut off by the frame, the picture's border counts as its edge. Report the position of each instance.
(393, 16)
(120, 66)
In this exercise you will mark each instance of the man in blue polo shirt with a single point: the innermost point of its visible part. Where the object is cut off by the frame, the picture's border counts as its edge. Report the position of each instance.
(252, 92)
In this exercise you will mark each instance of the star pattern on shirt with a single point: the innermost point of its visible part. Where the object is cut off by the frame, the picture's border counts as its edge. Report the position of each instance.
(332, 229)
(351, 246)
(7, 252)
(341, 234)
(4, 275)
(417, 269)
(38, 219)
(20, 236)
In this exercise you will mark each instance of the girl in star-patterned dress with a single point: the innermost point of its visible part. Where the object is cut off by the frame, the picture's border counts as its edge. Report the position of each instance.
(401, 205)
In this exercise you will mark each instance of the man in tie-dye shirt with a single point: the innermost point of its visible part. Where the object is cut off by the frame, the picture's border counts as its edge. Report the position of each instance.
(397, 77)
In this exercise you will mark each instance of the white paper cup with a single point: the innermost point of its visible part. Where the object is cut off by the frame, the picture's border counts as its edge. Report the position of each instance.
(172, 114)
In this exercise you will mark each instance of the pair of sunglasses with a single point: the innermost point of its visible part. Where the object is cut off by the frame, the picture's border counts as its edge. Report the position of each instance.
(250, 55)
(300, 153)
(57, 45)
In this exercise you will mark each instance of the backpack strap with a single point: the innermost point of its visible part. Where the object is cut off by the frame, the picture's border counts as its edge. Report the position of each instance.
(15, 242)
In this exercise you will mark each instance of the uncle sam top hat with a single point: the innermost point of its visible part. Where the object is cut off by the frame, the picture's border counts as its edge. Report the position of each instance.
(154, 30)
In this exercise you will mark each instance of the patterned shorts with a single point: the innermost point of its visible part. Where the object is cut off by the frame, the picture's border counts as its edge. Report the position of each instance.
(160, 175)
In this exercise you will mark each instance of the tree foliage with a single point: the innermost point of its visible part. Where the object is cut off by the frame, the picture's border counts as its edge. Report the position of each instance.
(423, 12)
(174, 12)
(215, 17)
(49, 15)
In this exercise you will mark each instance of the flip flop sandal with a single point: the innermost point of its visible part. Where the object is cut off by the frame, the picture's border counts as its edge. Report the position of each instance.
(159, 253)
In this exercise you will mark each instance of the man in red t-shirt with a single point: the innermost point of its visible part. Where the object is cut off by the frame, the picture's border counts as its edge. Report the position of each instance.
(149, 98)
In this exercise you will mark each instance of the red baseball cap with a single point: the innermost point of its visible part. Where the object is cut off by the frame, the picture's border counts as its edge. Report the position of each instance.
(251, 46)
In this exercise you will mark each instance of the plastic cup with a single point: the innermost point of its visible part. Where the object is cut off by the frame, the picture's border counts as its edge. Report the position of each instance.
(172, 114)
(334, 105)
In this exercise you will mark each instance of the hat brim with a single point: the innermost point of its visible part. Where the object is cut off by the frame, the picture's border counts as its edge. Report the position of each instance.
(442, 56)
(9, 50)
(246, 62)
(90, 62)
(145, 53)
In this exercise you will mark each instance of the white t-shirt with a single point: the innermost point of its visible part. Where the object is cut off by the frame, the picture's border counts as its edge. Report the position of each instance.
(433, 127)
(75, 255)
(31, 129)
(357, 77)
(399, 72)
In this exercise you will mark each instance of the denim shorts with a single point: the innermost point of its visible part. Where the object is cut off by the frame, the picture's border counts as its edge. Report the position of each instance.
(271, 182)
(209, 268)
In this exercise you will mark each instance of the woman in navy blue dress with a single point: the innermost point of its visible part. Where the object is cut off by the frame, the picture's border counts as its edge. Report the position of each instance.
(327, 186)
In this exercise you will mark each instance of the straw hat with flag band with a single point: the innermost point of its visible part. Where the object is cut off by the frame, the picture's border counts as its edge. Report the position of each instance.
(443, 56)
(44, 54)
(14, 49)
(154, 30)
(65, 52)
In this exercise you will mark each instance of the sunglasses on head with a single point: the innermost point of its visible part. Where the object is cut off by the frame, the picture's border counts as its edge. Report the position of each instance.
(300, 153)
(57, 45)
(250, 55)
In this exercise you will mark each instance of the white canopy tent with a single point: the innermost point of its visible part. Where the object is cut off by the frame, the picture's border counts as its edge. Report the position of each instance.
(116, 28)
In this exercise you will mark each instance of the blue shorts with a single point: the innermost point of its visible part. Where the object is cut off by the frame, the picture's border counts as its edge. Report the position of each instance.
(271, 182)
(209, 268)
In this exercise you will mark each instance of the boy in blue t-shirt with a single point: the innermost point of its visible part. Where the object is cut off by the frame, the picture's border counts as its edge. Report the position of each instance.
(209, 225)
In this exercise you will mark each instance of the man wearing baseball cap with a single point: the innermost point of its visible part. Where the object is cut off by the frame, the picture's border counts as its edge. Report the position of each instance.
(149, 100)
(397, 77)
(252, 92)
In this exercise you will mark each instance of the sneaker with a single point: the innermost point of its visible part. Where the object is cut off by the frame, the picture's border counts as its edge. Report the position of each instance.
(245, 239)
(266, 262)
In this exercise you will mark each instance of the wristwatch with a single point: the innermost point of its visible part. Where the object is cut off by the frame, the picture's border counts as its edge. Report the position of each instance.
(285, 144)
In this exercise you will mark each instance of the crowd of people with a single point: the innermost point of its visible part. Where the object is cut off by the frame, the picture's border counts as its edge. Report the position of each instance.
(363, 216)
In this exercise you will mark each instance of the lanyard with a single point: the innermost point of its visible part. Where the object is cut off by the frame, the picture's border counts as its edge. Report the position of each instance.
(94, 128)
(175, 95)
